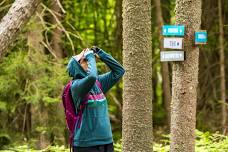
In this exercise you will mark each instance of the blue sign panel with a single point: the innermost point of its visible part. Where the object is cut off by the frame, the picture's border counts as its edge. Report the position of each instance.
(200, 37)
(173, 30)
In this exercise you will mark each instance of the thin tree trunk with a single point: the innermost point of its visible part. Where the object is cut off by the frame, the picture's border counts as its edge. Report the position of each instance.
(44, 138)
(119, 30)
(106, 35)
(95, 22)
(27, 120)
(165, 67)
(137, 56)
(13, 21)
(118, 47)
(185, 80)
(57, 33)
(222, 68)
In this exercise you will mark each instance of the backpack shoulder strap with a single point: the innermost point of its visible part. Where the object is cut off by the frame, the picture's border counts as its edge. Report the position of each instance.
(65, 91)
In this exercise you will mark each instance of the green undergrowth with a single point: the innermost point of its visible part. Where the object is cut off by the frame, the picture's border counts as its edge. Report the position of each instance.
(205, 142)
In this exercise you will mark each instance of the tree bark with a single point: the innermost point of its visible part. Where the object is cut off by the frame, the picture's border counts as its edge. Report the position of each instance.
(222, 67)
(185, 80)
(118, 47)
(57, 33)
(13, 21)
(137, 56)
(119, 30)
(165, 67)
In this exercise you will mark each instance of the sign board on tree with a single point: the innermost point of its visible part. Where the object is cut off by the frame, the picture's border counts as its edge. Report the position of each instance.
(173, 30)
(171, 56)
(201, 37)
(173, 43)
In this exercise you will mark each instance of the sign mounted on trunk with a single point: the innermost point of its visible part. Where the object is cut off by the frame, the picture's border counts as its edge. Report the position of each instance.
(173, 30)
(201, 37)
(173, 43)
(171, 56)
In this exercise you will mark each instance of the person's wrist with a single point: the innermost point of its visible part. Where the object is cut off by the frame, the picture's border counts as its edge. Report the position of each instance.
(87, 53)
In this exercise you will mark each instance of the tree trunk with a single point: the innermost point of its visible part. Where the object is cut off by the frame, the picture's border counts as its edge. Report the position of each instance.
(106, 28)
(57, 33)
(137, 56)
(27, 120)
(119, 30)
(12, 22)
(95, 19)
(165, 67)
(185, 80)
(39, 113)
(222, 67)
(118, 47)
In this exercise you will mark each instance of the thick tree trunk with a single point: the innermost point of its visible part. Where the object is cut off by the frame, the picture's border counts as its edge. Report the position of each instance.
(165, 67)
(137, 103)
(12, 22)
(57, 33)
(222, 68)
(185, 80)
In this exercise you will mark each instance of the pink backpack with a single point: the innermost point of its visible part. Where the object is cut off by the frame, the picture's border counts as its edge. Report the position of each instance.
(70, 112)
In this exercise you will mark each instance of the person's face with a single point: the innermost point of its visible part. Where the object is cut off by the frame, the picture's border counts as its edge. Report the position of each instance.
(83, 63)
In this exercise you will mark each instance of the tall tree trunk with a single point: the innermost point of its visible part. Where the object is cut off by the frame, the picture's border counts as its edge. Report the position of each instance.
(222, 67)
(95, 12)
(44, 138)
(119, 30)
(106, 35)
(12, 22)
(185, 80)
(118, 47)
(165, 67)
(39, 114)
(27, 120)
(57, 33)
(137, 56)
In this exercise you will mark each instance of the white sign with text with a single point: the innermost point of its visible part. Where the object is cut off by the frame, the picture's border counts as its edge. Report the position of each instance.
(173, 43)
(171, 56)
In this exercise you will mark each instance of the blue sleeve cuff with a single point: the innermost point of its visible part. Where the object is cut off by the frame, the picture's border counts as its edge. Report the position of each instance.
(101, 53)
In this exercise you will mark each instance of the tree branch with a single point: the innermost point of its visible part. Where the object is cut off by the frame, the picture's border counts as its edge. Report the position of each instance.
(11, 24)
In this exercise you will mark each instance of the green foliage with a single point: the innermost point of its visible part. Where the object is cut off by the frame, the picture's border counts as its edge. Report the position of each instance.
(31, 78)
(208, 142)
(24, 148)
(93, 22)
(118, 147)
(205, 142)
(4, 139)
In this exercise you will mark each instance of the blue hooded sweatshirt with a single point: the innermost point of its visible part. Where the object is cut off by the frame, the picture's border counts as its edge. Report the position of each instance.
(95, 128)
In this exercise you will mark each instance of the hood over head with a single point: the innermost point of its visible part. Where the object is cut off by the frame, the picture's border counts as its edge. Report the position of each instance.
(74, 69)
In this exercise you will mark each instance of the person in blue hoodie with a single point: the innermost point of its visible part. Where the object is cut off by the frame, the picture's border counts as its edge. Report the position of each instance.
(94, 133)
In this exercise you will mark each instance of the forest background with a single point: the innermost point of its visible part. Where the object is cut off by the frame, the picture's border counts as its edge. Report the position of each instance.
(33, 73)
